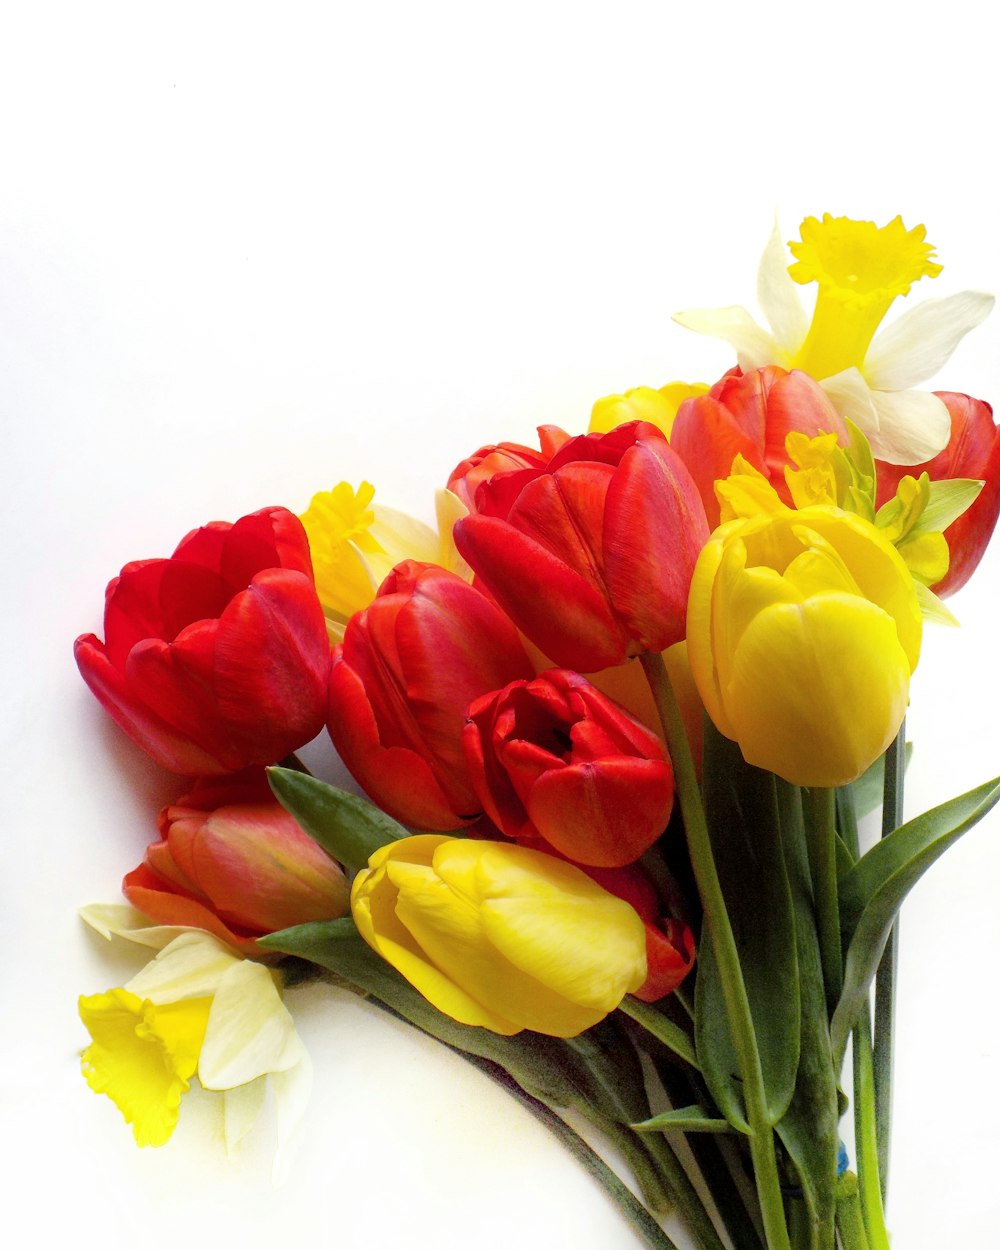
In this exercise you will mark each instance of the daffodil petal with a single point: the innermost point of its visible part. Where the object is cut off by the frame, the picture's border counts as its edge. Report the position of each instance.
(250, 1031)
(919, 342)
(754, 346)
(913, 426)
(191, 966)
(241, 1108)
(449, 509)
(851, 395)
(292, 1096)
(119, 920)
(404, 537)
(778, 295)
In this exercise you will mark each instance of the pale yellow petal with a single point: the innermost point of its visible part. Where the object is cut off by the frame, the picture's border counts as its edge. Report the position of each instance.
(250, 1031)
(191, 966)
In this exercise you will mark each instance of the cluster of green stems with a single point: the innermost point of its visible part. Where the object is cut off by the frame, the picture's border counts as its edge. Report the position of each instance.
(780, 1221)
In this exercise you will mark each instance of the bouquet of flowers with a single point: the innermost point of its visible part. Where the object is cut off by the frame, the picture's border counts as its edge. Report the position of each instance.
(618, 718)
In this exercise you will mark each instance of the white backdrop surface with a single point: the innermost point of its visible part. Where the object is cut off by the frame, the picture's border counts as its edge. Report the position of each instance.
(249, 250)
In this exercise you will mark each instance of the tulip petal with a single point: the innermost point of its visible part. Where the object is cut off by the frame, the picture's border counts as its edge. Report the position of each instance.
(374, 904)
(562, 613)
(922, 339)
(754, 346)
(819, 689)
(272, 665)
(163, 741)
(605, 814)
(654, 528)
(158, 599)
(145, 891)
(250, 1031)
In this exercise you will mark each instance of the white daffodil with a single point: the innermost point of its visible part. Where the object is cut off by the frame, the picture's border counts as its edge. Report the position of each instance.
(198, 1008)
(860, 268)
(355, 543)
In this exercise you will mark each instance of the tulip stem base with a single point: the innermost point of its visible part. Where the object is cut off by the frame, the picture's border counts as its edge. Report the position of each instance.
(720, 933)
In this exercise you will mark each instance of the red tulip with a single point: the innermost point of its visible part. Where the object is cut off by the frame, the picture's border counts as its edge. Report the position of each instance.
(591, 557)
(750, 414)
(974, 452)
(556, 760)
(232, 861)
(217, 657)
(670, 946)
(488, 462)
(410, 665)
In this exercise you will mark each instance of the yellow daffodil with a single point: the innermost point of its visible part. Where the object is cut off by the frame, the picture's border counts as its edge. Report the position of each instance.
(355, 543)
(198, 1009)
(803, 630)
(859, 269)
(643, 403)
(498, 935)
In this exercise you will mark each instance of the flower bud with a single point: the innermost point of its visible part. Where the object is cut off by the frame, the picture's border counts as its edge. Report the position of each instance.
(500, 936)
(232, 861)
(556, 760)
(804, 628)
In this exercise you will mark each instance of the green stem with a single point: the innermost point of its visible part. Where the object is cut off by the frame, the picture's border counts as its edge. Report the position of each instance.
(885, 977)
(720, 933)
(664, 1030)
(850, 1224)
(689, 1204)
(866, 1135)
(821, 842)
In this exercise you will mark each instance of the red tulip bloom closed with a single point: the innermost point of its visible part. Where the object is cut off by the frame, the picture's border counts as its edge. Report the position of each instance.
(592, 556)
(216, 658)
(973, 451)
(409, 666)
(232, 861)
(486, 463)
(556, 760)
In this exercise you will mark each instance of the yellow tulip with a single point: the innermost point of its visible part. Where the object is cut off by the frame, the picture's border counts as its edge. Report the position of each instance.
(643, 403)
(498, 935)
(803, 630)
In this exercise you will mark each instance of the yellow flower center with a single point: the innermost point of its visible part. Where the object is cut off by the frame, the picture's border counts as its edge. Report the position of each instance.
(860, 269)
(337, 524)
(143, 1056)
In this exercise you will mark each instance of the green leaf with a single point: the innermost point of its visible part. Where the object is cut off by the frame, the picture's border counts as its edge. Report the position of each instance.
(743, 825)
(808, 1129)
(346, 826)
(868, 788)
(664, 1030)
(693, 1119)
(873, 891)
(597, 1073)
(946, 503)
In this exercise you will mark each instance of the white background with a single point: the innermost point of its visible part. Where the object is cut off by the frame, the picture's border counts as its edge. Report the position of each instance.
(249, 250)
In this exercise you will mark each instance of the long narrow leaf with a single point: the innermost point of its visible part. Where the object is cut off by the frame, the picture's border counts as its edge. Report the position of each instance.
(873, 892)
(746, 841)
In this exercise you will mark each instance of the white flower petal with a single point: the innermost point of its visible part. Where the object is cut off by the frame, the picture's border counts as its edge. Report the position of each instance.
(851, 395)
(292, 1093)
(754, 346)
(449, 509)
(403, 537)
(779, 296)
(913, 426)
(191, 966)
(249, 1030)
(241, 1107)
(919, 342)
(119, 920)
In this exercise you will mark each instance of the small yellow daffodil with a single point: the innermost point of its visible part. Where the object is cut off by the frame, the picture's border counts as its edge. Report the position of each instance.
(355, 543)
(859, 269)
(197, 1009)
